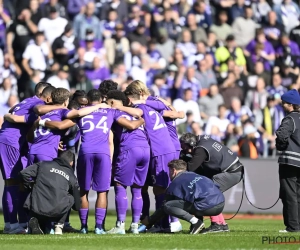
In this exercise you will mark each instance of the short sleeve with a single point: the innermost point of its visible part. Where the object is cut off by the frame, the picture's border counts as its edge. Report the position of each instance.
(64, 113)
(28, 52)
(30, 118)
(118, 114)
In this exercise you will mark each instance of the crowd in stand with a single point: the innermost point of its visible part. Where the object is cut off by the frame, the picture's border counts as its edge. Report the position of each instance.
(224, 62)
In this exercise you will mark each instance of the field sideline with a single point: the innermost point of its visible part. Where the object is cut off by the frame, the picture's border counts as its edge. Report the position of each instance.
(245, 234)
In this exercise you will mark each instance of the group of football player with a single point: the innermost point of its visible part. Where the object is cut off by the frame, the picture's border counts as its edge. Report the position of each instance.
(126, 140)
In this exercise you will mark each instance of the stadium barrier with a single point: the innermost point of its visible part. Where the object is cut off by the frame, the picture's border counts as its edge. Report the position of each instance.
(262, 186)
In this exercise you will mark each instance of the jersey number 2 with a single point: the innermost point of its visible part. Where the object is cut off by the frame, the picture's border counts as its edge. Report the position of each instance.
(158, 123)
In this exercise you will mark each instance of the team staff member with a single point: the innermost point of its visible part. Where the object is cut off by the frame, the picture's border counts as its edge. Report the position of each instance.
(54, 191)
(288, 143)
(208, 157)
(188, 197)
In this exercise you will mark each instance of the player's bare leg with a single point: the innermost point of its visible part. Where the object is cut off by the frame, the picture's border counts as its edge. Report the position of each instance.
(84, 211)
(100, 212)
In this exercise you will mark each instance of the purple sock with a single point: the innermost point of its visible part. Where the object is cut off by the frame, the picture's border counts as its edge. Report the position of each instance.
(121, 202)
(100, 214)
(4, 206)
(12, 195)
(174, 219)
(83, 215)
(136, 204)
(23, 218)
(146, 204)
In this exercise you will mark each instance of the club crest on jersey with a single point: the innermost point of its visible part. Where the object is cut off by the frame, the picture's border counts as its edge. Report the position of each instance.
(57, 171)
(217, 146)
(206, 137)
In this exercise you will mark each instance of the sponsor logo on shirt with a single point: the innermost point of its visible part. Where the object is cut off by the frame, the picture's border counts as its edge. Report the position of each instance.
(217, 146)
(57, 171)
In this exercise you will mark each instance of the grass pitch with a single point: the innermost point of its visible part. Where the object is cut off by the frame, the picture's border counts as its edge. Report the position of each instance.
(245, 234)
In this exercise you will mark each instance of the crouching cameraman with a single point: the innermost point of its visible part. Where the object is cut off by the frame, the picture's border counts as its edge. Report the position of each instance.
(53, 192)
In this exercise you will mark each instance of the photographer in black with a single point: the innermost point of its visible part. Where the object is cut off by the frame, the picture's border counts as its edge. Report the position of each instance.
(212, 159)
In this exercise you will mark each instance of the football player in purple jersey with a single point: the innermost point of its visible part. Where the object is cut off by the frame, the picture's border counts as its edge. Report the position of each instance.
(162, 147)
(131, 167)
(13, 148)
(169, 114)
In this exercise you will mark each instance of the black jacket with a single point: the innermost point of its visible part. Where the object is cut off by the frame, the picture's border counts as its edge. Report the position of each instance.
(55, 189)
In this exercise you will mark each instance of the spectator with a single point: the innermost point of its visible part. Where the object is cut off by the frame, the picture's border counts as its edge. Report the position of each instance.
(209, 104)
(277, 90)
(55, 3)
(233, 133)
(203, 18)
(247, 143)
(287, 52)
(238, 9)
(11, 102)
(116, 46)
(98, 74)
(85, 21)
(219, 121)
(221, 28)
(266, 50)
(74, 7)
(37, 55)
(138, 35)
(196, 129)
(187, 104)
(288, 14)
(237, 111)
(190, 82)
(295, 34)
(198, 33)
(289, 76)
(35, 78)
(229, 88)
(273, 29)
(230, 51)
(170, 24)
(6, 90)
(268, 121)
(261, 9)
(110, 24)
(61, 79)
(259, 72)
(53, 25)
(119, 74)
(81, 82)
(165, 45)
(65, 46)
(257, 99)
(186, 46)
(19, 33)
(119, 5)
(185, 127)
(244, 36)
(4, 22)
(160, 88)
(205, 75)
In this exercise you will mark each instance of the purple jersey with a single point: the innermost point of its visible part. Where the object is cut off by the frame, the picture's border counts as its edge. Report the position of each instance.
(45, 140)
(157, 131)
(129, 138)
(14, 134)
(94, 130)
(171, 125)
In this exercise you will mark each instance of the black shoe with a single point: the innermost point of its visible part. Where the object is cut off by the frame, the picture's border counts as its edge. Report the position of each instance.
(213, 228)
(34, 226)
(69, 229)
(225, 228)
(196, 228)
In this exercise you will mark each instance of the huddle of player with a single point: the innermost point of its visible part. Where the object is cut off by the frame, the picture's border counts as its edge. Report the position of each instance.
(127, 139)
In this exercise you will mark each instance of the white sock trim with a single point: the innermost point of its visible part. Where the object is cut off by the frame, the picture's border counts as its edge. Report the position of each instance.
(194, 220)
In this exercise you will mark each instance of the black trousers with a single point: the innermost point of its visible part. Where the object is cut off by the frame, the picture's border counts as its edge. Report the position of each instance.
(45, 221)
(227, 180)
(184, 210)
(289, 193)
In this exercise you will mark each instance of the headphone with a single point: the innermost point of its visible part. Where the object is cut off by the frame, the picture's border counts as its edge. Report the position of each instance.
(191, 141)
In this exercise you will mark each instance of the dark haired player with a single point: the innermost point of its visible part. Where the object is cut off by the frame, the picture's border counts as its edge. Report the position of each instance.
(80, 97)
(131, 166)
(13, 149)
(105, 87)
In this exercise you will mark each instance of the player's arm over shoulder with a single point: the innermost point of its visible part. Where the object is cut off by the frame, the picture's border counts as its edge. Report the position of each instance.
(85, 111)
(135, 112)
(173, 114)
(131, 125)
(58, 125)
(44, 109)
